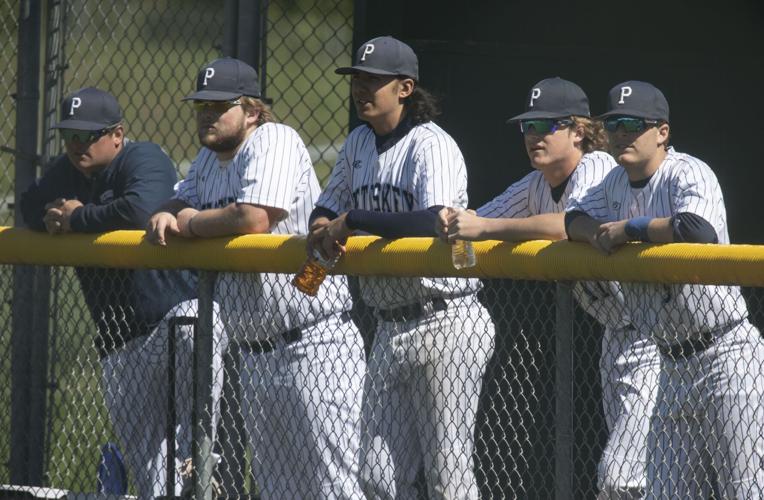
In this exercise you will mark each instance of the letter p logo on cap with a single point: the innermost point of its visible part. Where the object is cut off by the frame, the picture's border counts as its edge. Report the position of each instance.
(76, 103)
(535, 94)
(368, 49)
(625, 92)
(208, 73)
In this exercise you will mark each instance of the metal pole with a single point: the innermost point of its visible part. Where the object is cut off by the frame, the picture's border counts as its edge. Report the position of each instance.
(564, 392)
(171, 414)
(250, 42)
(54, 52)
(230, 438)
(29, 341)
(230, 27)
(203, 377)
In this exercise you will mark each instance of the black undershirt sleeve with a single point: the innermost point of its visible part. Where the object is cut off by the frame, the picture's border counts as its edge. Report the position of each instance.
(570, 217)
(320, 211)
(395, 225)
(692, 228)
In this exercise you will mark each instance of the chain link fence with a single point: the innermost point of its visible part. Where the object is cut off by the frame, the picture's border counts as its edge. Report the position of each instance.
(536, 406)
(9, 36)
(301, 410)
(147, 54)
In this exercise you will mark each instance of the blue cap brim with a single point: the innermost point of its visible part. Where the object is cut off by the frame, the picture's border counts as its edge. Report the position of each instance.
(349, 70)
(213, 95)
(82, 125)
(535, 115)
(636, 113)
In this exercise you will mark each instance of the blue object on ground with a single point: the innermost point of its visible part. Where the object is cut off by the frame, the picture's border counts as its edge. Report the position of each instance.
(112, 476)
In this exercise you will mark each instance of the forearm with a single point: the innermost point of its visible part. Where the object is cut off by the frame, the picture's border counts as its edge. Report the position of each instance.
(233, 219)
(536, 227)
(660, 230)
(119, 214)
(581, 227)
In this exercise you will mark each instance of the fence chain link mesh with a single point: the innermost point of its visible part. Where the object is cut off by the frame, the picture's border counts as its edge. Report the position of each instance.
(298, 399)
(9, 37)
(270, 399)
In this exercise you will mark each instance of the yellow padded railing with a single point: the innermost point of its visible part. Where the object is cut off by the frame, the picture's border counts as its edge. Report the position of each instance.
(367, 255)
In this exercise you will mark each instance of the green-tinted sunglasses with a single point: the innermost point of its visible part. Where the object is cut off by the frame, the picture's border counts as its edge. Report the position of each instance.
(218, 107)
(629, 123)
(543, 126)
(83, 136)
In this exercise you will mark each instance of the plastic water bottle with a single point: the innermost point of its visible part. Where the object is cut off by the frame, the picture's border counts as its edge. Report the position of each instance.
(462, 254)
(312, 273)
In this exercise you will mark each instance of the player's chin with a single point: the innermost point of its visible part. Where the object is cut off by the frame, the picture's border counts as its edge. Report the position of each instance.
(624, 157)
(538, 159)
(80, 162)
(208, 138)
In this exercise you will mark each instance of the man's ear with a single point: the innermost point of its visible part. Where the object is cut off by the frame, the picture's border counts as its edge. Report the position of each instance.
(663, 134)
(118, 135)
(406, 87)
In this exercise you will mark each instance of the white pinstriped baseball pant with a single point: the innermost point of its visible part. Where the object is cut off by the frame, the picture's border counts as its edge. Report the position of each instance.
(420, 400)
(135, 389)
(709, 421)
(629, 368)
(302, 411)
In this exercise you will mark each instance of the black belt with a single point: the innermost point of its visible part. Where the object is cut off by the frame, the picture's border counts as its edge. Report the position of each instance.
(289, 336)
(413, 311)
(694, 346)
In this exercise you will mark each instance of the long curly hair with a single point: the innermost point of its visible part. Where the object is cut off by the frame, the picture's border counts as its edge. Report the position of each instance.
(421, 106)
(595, 138)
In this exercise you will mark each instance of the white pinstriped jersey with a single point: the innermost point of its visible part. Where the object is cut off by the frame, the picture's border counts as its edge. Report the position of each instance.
(424, 168)
(672, 313)
(532, 195)
(271, 168)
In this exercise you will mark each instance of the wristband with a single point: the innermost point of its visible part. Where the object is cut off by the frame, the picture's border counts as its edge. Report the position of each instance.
(190, 228)
(636, 228)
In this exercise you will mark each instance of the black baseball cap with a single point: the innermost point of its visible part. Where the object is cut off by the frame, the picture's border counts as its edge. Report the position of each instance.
(384, 55)
(89, 108)
(554, 98)
(225, 79)
(638, 99)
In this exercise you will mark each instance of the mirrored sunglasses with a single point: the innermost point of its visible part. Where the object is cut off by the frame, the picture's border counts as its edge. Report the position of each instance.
(216, 106)
(628, 123)
(83, 136)
(543, 126)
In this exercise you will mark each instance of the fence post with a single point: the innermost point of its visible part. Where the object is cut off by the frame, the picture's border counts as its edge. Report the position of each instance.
(31, 284)
(202, 378)
(232, 469)
(564, 392)
(245, 34)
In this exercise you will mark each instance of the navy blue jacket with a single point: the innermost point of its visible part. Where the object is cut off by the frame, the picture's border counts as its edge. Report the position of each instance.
(124, 303)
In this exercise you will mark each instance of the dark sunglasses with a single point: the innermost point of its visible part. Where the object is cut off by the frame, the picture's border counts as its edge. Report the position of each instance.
(629, 123)
(216, 106)
(543, 126)
(83, 136)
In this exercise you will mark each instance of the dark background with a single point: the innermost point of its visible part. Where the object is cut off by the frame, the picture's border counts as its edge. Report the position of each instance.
(482, 58)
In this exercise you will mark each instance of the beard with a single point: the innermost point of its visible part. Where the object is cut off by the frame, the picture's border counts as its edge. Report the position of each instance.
(222, 144)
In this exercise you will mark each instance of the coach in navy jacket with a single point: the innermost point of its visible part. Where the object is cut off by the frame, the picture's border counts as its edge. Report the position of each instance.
(103, 183)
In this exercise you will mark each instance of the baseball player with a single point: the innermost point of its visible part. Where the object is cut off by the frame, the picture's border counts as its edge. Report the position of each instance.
(433, 338)
(567, 148)
(709, 420)
(303, 358)
(105, 182)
